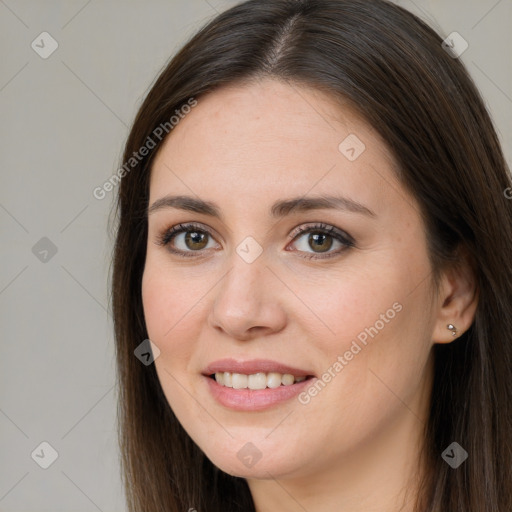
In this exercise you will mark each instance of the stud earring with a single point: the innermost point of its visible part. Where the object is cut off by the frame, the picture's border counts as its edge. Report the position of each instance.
(452, 328)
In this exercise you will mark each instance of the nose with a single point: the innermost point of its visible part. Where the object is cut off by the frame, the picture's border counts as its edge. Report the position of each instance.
(248, 301)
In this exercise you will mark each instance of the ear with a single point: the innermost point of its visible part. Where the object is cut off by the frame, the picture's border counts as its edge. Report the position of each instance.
(457, 300)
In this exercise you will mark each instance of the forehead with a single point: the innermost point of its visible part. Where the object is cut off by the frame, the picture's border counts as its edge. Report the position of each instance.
(257, 140)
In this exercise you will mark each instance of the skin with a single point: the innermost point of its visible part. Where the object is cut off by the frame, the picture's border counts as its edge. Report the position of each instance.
(354, 446)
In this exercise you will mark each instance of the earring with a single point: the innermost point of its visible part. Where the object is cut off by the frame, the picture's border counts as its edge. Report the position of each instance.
(452, 328)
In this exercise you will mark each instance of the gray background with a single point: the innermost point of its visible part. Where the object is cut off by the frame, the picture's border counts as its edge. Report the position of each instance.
(64, 121)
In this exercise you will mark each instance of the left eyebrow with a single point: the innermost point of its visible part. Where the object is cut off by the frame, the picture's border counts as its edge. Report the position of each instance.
(279, 209)
(323, 202)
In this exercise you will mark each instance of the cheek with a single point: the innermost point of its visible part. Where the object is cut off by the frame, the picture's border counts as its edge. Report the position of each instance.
(172, 324)
(171, 311)
(378, 326)
(170, 301)
(350, 305)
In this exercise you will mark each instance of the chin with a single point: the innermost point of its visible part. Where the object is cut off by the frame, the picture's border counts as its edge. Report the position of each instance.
(247, 461)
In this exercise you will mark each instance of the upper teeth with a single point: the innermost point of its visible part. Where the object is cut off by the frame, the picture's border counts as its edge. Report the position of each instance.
(256, 380)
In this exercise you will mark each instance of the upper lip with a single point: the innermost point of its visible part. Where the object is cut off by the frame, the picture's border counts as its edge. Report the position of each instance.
(253, 366)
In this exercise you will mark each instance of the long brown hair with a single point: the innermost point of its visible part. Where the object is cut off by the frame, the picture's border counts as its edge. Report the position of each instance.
(392, 68)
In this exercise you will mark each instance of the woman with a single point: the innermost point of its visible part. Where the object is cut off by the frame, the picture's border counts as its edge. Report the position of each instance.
(315, 236)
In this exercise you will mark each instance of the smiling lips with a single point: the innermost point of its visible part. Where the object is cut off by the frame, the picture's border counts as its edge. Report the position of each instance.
(255, 367)
(254, 385)
(259, 380)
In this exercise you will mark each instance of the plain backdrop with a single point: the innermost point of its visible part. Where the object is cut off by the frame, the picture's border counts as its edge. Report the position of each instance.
(64, 120)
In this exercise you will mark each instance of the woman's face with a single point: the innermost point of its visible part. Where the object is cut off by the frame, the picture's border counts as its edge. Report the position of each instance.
(345, 303)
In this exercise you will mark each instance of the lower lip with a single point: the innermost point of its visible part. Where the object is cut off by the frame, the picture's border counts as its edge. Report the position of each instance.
(254, 399)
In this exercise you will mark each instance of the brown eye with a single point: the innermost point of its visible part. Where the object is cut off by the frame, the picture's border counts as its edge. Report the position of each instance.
(320, 238)
(196, 240)
(321, 241)
(185, 239)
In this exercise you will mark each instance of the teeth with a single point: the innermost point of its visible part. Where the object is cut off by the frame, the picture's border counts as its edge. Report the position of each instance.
(256, 380)
(239, 380)
(287, 379)
(273, 380)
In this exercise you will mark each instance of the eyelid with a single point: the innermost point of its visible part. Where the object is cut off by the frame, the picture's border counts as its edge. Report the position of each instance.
(322, 227)
(341, 236)
(170, 233)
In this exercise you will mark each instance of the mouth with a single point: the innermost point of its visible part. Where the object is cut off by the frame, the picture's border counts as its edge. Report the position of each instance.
(254, 385)
(256, 381)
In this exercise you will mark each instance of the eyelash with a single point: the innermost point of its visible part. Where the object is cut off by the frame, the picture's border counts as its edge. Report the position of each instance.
(167, 236)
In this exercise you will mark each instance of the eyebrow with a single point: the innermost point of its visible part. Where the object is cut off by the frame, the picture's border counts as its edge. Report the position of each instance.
(279, 209)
